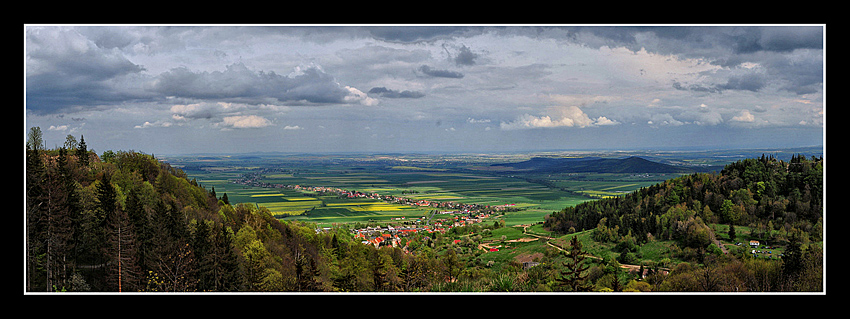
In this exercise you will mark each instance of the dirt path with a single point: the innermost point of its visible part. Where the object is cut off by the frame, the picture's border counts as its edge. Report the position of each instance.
(624, 266)
(717, 242)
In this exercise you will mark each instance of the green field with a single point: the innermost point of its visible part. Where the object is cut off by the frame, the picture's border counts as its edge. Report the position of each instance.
(419, 181)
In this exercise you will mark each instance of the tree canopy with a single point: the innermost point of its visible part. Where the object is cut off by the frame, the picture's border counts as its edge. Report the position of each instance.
(125, 221)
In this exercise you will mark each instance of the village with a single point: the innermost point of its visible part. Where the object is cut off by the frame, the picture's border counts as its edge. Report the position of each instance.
(389, 235)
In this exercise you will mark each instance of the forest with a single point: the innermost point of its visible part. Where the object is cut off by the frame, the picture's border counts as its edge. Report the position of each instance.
(124, 221)
(780, 202)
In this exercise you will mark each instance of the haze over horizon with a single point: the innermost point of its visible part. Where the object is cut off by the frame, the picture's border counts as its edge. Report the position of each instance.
(401, 89)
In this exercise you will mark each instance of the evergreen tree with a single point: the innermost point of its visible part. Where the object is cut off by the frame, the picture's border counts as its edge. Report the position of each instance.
(63, 207)
(792, 262)
(122, 259)
(142, 229)
(202, 248)
(225, 263)
(55, 224)
(573, 276)
(106, 196)
(35, 205)
(82, 152)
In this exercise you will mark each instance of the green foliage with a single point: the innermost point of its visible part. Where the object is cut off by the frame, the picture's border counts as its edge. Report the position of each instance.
(573, 276)
(745, 192)
(175, 235)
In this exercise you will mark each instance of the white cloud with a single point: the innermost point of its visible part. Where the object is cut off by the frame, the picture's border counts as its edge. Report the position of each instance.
(57, 128)
(289, 127)
(664, 120)
(605, 121)
(745, 116)
(474, 121)
(200, 110)
(245, 121)
(156, 124)
(356, 95)
(568, 116)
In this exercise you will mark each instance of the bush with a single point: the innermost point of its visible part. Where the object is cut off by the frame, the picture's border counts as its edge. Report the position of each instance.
(628, 258)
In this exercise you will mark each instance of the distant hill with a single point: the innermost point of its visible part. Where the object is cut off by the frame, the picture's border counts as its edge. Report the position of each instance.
(631, 164)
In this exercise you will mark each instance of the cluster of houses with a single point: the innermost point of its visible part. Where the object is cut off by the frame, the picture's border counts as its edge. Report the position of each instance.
(467, 214)
(390, 235)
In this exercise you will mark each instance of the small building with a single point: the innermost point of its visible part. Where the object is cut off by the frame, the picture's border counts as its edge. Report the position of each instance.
(529, 264)
(754, 243)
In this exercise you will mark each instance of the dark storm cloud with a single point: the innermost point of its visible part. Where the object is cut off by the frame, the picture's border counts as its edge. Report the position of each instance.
(54, 92)
(385, 92)
(790, 57)
(64, 71)
(70, 70)
(238, 83)
(776, 39)
(417, 33)
(427, 70)
(748, 82)
(741, 39)
(695, 87)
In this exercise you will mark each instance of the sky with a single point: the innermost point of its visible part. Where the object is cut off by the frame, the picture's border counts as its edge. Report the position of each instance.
(186, 89)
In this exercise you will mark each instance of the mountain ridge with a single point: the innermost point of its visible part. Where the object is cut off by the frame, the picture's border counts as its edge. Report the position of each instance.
(631, 164)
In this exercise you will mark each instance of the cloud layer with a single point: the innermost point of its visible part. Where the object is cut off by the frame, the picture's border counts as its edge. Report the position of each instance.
(412, 85)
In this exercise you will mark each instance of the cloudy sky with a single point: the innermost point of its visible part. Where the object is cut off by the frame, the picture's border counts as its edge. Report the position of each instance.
(224, 89)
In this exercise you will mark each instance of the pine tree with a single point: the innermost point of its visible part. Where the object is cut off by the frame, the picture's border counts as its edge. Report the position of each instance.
(142, 229)
(63, 206)
(82, 152)
(792, 262)
(122, 266)
(225, 268)
(106, 196)
(202, 247)
(573, 275)
(52, 219)
(35, 204)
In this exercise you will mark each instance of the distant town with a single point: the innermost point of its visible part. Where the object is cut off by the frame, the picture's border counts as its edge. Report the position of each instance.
(389, 235)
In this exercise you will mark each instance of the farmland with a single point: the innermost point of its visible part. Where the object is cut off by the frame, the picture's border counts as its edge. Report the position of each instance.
(259, 180)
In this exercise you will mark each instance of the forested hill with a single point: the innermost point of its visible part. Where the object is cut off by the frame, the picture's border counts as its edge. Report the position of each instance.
(632, 164)
(779, 199)
(125, 221)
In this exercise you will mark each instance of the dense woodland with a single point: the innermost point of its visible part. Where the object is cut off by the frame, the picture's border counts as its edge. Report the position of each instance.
(780, 202)
(124, 221)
